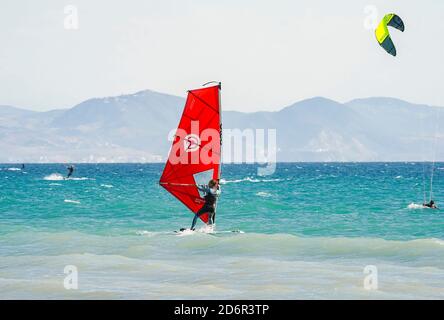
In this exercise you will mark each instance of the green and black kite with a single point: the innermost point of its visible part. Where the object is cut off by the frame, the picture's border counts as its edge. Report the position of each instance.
(383, 35)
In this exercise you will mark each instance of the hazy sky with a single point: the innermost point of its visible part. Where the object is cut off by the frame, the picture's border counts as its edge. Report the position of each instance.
(268, 54)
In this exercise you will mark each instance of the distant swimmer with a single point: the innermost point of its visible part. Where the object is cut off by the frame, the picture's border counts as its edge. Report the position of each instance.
(70, 171)
(430, 205)
(212, 192)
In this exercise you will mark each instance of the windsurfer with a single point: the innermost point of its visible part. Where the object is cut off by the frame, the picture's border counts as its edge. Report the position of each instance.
(182, 174)
(212, 192)
(430, 205)
(70, 171)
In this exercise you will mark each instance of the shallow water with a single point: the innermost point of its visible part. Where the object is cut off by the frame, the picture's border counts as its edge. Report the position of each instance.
(309, 232)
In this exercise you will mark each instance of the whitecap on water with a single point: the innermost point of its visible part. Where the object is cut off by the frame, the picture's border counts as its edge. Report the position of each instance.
(54, 177)
(248, 179)
(224, 181)
(415, 206)
(59, 177)
(10, 169)
(148, 233)
(107, 185)
(71, 201)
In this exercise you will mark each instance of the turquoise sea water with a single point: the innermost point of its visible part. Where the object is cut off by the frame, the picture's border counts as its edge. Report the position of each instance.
(308, 231)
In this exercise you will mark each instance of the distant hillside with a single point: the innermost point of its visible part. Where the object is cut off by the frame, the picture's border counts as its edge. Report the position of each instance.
(134, 128)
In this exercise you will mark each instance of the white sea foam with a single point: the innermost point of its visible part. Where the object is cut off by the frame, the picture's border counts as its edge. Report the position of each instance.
(72, 201)
(153, 233)
(207, 229)
(59, 177)
(415, 206)
(203, 230)
(263, 194)
(54, 177)
(186, 232)
(249, 179)
(224, 181)
(149, 233)
(259, 266)
(107, 185)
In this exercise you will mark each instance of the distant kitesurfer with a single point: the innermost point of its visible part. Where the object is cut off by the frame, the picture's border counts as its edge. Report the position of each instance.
(430, 205)
(212, 192)
(70, 171)
(23, 166)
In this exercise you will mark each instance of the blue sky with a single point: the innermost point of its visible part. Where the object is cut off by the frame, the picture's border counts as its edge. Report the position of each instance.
(267, 54)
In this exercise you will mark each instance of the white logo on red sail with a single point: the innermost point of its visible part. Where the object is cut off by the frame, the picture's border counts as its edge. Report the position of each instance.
(191, 142)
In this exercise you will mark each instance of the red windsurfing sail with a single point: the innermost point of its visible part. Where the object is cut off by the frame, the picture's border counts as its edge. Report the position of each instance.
(195, 155)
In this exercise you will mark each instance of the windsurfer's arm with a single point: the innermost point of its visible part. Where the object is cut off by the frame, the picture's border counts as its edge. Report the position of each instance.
(202, 187)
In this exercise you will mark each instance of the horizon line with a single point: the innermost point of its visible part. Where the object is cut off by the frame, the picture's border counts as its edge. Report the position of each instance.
(229, 108)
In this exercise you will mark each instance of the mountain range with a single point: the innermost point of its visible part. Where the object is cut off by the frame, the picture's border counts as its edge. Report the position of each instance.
(134, 128)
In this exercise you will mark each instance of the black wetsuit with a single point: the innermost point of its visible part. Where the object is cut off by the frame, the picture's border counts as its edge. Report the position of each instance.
(430, 205)
(208, 207)
(70, 171)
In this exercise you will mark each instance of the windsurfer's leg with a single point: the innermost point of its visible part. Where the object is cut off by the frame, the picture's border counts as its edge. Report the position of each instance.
(197, 215)
(211, 217)
(194, 221)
